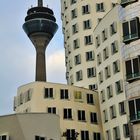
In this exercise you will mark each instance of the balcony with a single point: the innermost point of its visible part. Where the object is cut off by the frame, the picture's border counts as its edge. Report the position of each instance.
(130, 37)
(133, 76)
(126, 2)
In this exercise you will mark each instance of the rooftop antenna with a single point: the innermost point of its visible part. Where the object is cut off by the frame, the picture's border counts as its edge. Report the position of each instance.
(40, 3)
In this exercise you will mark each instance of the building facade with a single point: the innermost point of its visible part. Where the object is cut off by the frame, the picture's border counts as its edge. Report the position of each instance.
(33, 126)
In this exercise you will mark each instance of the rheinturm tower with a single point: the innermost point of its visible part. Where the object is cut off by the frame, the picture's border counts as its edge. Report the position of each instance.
(40, 26)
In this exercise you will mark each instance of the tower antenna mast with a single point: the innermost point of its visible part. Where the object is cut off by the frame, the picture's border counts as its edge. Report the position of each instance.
(40, 3)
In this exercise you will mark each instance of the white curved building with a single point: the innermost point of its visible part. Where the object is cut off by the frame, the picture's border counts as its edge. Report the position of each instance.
(78, 108)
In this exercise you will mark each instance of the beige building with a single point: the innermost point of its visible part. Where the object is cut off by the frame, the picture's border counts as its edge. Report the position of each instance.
(33, 126)
(78, 108)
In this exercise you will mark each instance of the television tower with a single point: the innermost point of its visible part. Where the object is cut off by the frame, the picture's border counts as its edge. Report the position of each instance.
(40, 26)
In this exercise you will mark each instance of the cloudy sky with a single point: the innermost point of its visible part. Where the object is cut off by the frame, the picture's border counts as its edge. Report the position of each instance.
(17, 54)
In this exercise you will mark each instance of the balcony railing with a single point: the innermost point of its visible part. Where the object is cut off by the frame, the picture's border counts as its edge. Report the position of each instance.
(132, 76)
(135, 117)
(130, 37)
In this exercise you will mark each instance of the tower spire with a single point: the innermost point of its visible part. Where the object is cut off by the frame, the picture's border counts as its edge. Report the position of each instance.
(40, 3)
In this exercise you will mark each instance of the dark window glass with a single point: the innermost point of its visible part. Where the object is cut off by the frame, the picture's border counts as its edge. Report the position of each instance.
(138, 107)
(128, 67)
(133, 26)
(96, 136)
(125, 29)
(3, 137)
(132, 110)
(136, 65)
(70, 134)
(84, 135)
(67, 114)
(90, 99)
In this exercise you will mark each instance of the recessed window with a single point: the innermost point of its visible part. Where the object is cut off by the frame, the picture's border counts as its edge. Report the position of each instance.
(52, 110)
(122, 108)
(64, 94)
(39, 138)
(93, 117)
(113, 28)
(81, 115)
(126, 130)
(79, 75)
(103, 96)
(76, 44)
(86, 9)
(105, 116)
(88, 40)
(99, 59)
(113, 112)
(130, 30)
(104, 35)
(87, 24)
(114, 47)
(77, 59)
(91, 72)
(77, 95)
(70, 134)
(90, 99)
(96, 136)
(84, 135)
(116, 66)
(67, 113)
(119, 86)
(73, 1)
(90, 56)
(100, 7)
(107, 72)
(116, 133)
(100, 75)
(108, 135)
(48, 93)
(109, 91)
(74, 13)
(75, 28)
(93, 87)
(97, 41)
(105, 53)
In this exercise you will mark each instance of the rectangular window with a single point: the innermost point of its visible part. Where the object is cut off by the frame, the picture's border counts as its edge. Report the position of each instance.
(122, 108)
(114, 47)
(74, 13)
(87, 24)
(113, 112)
(86, 9)
(88, 40)
(91, 72)
(100, 75)
(84, 135)
(93, 117)
(103, 96)
(52, 110)
(96, 136)
(64, 94)
(76, 44)
(90, 99)
(73, 1)
(107, 72)
(77, 95)
(70, 134)
(109, 91)
(99, 59)
(130, 30)
(81, 115)
(126, 130)
(67, 113)
(113, 28)
(104, 35)
(39, 138)
(116, 66)
(89, 56)
(105, 115)
(93, 87)
(48, 93)
(119, 87)
(97, 41)
(77, 59)
(108, 135)
(105, 53)
(116, 133)
(100, 7)
(79, 75)
(75, 28)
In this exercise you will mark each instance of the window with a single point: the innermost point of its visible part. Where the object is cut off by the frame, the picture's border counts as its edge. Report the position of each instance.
(91, 72)
(74, 13)
(65, 5)
(132, 68)
(77, 95)
(4, 137)
(79, 75)
(122, 108)
(96, 136)
(77, 59)
(107, 72)
(90, 99)
(52, 110)
(87, 24)
(48, 93)
(81, 115)
(99, 7)
(73, 1)
(74, 28)
(70, 64)
(119, 87)
(126, 130)
(70, 134)
(116, 133)
(126, 2)
(93, 87)
(114, 47)
(39, 138)
(93, 117)
(86, 9)
(88, 40)
(112, 112)
(99, 59)
(103, 96)
(109, 91)
(134, 109)
(116, 66)
(113, 28)
(108, 135)
(104, 35)
(114, 4)
(67, 113)
(89, 56)
(97, 41)
(84, 135)
(76, 43)
(64, 94)
(68, 34)
(71, 80)
(100, 77)
(105, 53)
(105, 115)
(130, 30)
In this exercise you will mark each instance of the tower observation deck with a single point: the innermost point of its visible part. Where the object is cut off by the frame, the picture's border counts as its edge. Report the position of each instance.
(40, 26)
